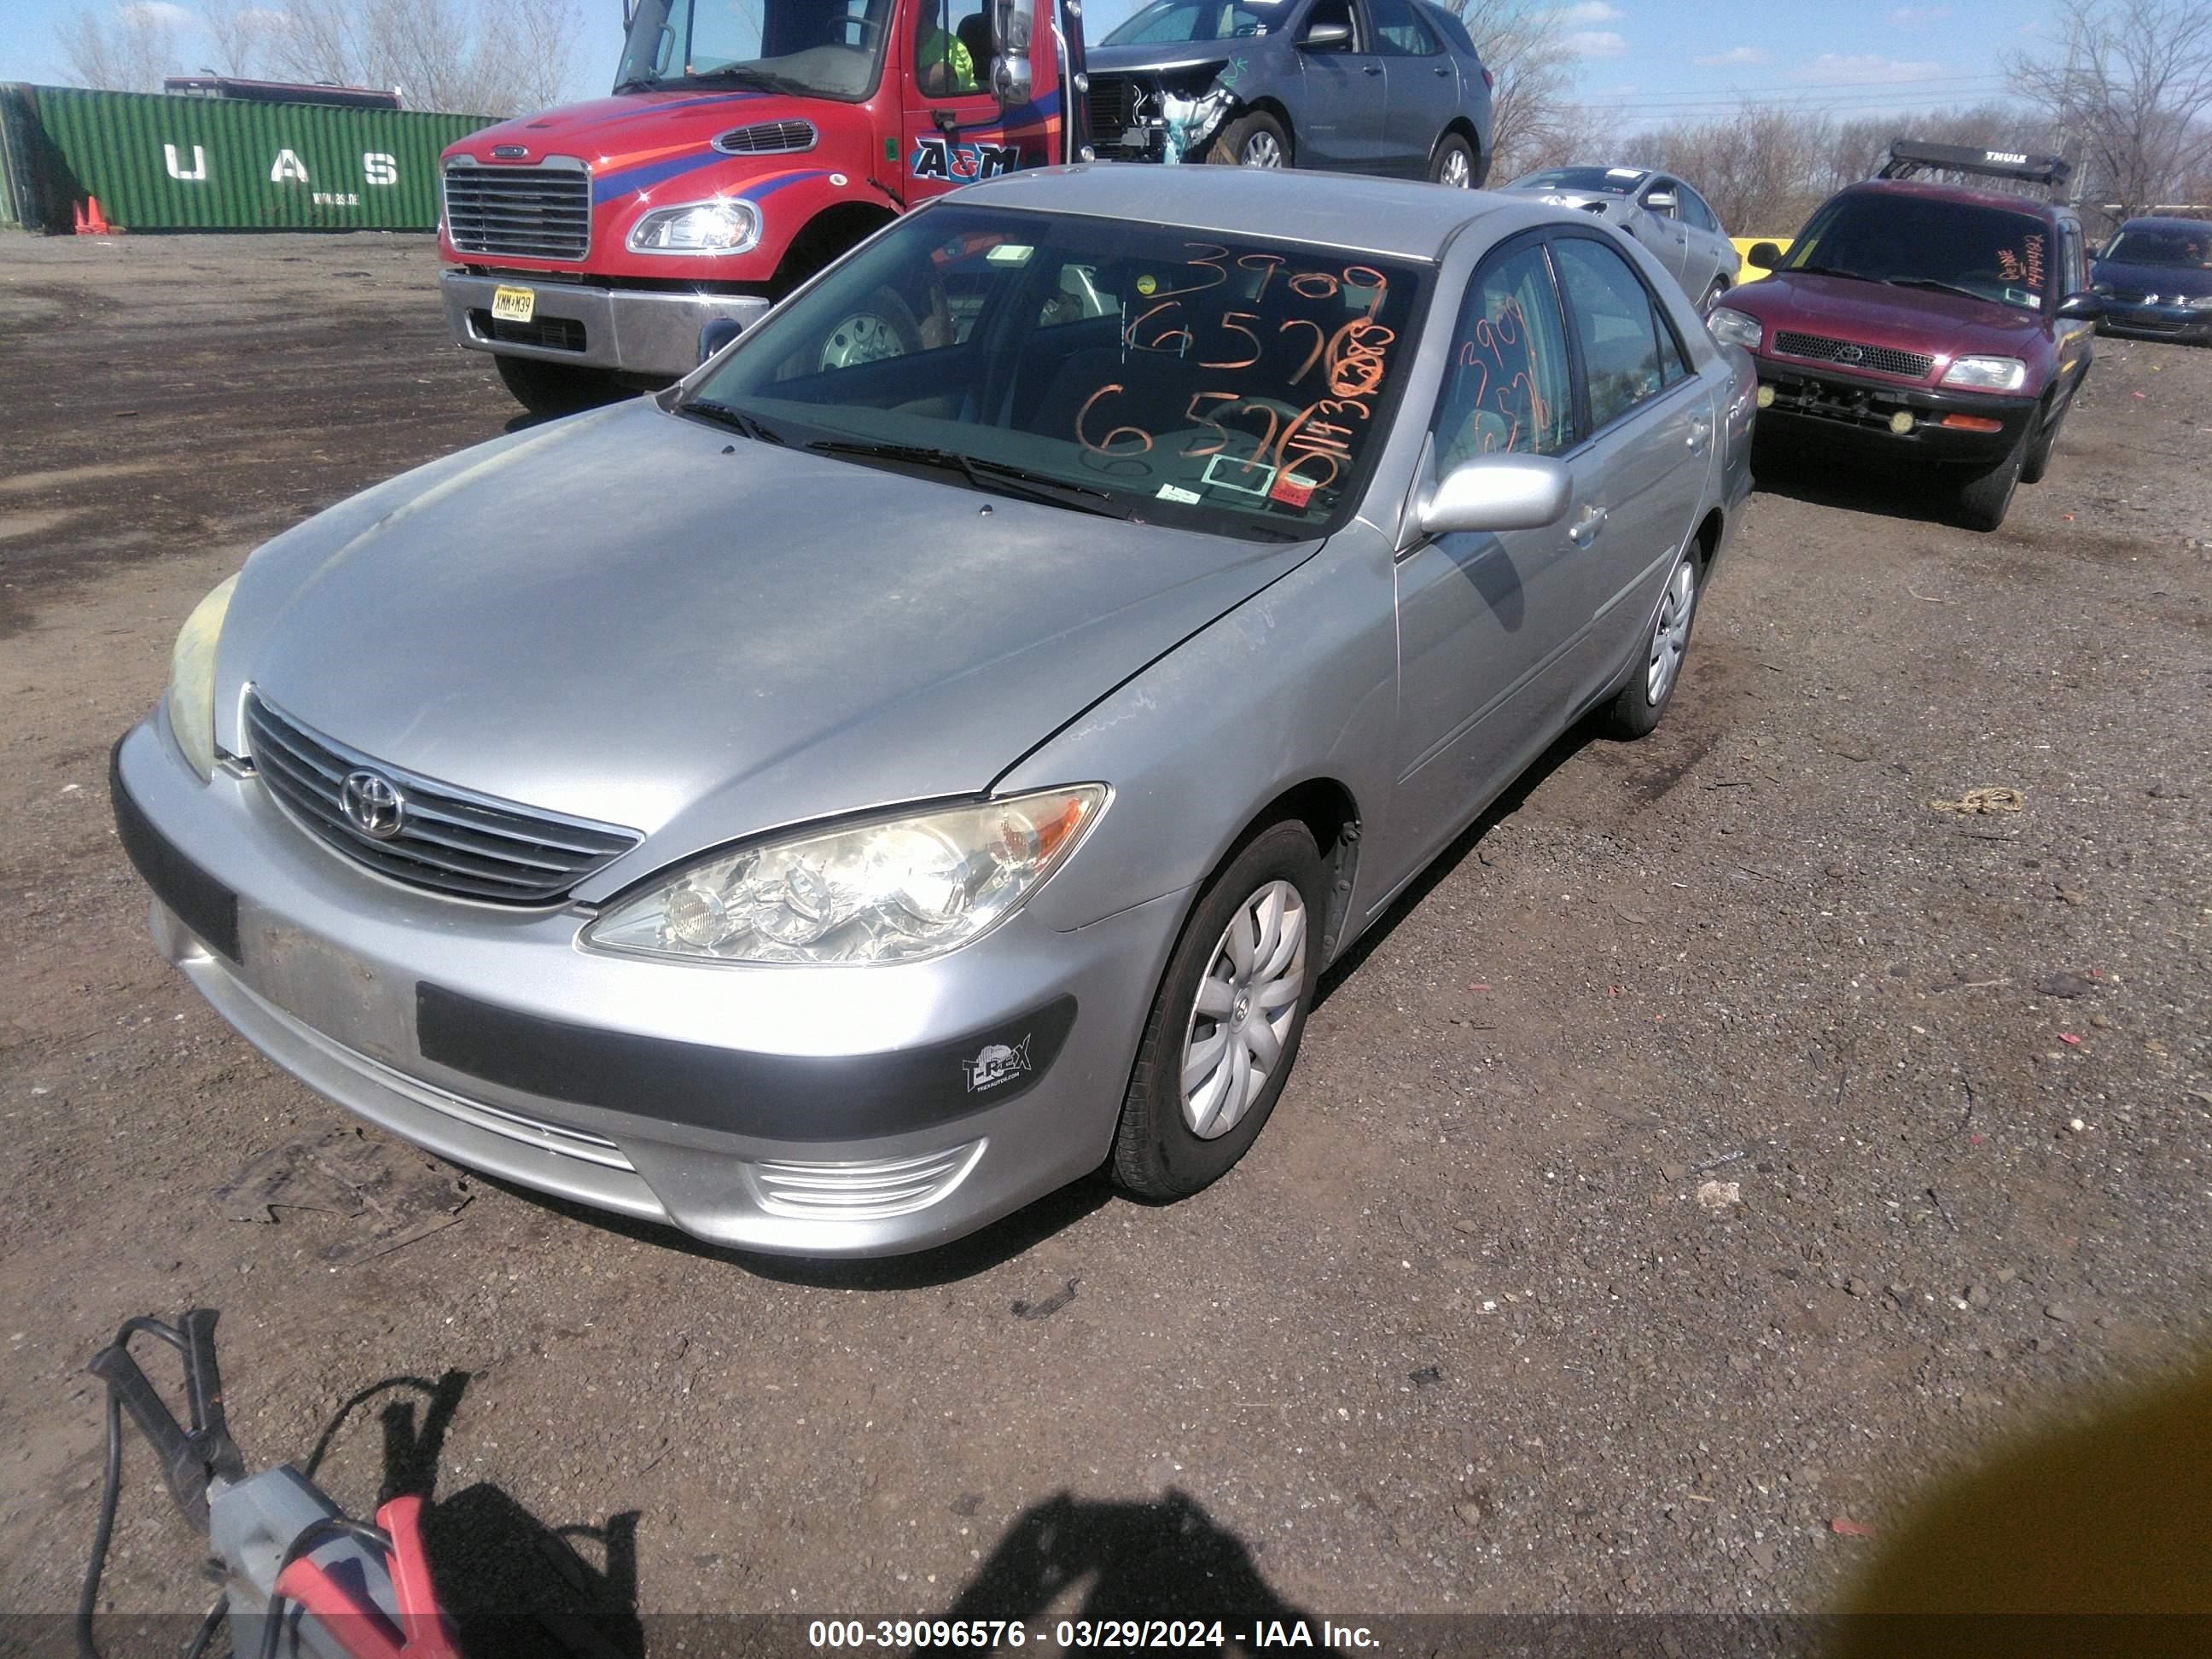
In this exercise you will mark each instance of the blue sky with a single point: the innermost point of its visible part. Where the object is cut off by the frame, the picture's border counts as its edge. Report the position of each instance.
(1653, 60)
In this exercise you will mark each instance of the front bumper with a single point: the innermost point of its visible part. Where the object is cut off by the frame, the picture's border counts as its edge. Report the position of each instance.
(630, 330)
(819, 1111)
(1858, 414)
(2162, 322)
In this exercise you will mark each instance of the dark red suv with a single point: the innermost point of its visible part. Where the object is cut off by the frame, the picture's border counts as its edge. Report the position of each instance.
(1914, 322)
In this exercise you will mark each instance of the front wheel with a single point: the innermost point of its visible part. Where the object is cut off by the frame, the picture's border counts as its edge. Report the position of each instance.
(1453, 165)
(2038, 460)
(1713, 296)
(1984, 499)
(1638, 706)
(1224, 1031)
(550, 389)
(1257, 140)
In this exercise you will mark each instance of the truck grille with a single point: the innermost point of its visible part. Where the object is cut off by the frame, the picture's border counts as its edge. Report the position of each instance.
(1849, 354)
(530, 213)
(449, 840)
(768, 138)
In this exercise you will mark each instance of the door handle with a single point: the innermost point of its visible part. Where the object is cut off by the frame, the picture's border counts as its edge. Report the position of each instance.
(1583, 531)
(1371, 69)
(1445, 71)
(1699, 432)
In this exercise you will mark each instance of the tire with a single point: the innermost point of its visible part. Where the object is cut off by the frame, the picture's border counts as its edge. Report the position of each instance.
(1984, 499)
(550, 389)
(1256, 134)
(1453, 165)
(1638, 706)
(882, 327)
(2037, 462)
(1713, 295)
(1168, 1146)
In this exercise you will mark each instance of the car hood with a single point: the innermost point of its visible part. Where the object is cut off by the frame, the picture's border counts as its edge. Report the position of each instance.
(638, 138)
(2180, 281)
(1173, 56)
(633, 617)
(1939, 325)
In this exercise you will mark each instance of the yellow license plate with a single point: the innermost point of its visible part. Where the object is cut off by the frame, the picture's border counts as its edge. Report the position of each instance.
(513, 305)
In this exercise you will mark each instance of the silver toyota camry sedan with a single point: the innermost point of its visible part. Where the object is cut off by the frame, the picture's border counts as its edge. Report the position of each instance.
(899, 770)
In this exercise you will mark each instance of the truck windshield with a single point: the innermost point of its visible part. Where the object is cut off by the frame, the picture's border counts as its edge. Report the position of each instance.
(2186, 250)
(1984, 252)
(1166, 22)
(1152, 373)
(812, 48)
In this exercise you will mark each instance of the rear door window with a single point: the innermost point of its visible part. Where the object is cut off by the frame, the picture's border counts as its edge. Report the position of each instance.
(1617, 325)
(1398, 32)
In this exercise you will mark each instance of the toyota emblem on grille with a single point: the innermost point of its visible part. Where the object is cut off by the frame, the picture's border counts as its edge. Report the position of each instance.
(1849, 354)
(372, 804)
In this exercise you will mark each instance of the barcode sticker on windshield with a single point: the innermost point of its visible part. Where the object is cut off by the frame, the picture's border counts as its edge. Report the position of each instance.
(1175, 493)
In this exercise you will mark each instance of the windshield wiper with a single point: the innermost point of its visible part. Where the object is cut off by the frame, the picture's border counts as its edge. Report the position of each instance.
(993, 477)
(1939, 287)
(635, 83)
(745, 74)
(1828, 270)
(731, 416)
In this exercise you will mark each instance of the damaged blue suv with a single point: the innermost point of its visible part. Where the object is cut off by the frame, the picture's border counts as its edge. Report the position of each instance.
(1388, 87)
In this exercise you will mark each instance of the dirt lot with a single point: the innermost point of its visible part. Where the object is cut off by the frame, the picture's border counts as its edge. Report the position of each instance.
(1459, 1334)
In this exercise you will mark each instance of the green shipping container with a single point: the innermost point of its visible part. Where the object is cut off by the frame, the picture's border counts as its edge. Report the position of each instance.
(158, 161)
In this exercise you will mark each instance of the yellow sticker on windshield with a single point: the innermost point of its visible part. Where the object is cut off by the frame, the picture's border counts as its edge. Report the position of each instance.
(1145, 285)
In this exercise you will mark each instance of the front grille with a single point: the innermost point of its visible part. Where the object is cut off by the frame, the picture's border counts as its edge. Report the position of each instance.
(449, 840)
(1113, 106)
(863, 1191)
(551, 333)
(1849, 354)
(497, 1120)
(529, 213)
(767, 139)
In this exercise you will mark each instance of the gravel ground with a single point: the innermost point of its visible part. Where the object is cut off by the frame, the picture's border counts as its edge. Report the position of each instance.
(1707, 1150)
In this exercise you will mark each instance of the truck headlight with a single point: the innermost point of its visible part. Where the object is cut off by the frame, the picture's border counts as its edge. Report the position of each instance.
(898, 890)
(723, 225)
(1987, 373)
(1733, 327)
(191, 678)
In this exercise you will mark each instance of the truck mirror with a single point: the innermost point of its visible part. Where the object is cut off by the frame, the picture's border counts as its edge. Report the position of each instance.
(717, 333)
(629, 14)
(1010, 51)
(1764, 256)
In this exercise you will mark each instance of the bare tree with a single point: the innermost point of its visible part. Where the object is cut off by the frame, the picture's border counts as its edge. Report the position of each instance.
(131, 53)
(1761, 169)
(2129, 83)
(1524, 46)
(496, 58)
(244, 36)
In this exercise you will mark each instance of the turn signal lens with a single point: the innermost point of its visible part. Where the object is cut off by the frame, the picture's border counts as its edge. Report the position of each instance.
(1973, 423)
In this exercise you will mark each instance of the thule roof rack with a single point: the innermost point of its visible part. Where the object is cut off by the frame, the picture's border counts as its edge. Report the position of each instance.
(1908, 158)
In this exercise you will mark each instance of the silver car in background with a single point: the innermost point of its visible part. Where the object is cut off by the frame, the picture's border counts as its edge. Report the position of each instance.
(827, 805)
(1660, 211)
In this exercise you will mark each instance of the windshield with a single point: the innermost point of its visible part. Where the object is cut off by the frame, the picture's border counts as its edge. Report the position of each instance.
(1603, 181)
(1222, 384)
(817, 48)
(1167, 21)
(2188, 250)
(1985, 252)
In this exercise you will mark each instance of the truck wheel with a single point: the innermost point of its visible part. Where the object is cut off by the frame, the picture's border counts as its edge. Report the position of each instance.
(2038, 460)
(1453, 165)
(1983, 500)
(1257, 140)
(549, 389)
(883, 327)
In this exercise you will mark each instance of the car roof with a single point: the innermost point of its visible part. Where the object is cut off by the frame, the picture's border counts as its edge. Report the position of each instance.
(1960, 194)
(1400, 219)
(2165, 221)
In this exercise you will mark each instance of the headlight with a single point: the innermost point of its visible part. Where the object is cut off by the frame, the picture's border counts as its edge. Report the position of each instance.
(2201, 302)
(898, 890)
(1987, 373)
(721, 226)
(1733, 327)
(191, 678)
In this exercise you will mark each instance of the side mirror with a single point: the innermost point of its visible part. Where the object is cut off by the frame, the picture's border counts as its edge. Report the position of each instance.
(1323, 36)
(1661, 201)
(716, 334)
(1499, 492)
(1010, 51)
(2084, 307)
(1764, 256)
(629, 14)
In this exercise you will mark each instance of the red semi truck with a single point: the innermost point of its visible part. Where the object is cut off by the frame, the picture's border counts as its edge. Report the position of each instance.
(747, 143)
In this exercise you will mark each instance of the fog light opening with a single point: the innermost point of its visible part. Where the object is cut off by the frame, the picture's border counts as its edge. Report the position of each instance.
(1766, 397)
(1901, 423)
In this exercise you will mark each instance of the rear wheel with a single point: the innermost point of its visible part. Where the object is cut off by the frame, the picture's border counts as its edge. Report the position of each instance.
(1984, 499)
(1453, 165)
(1224, 1032)
(1257, 140)
(1713, 296)
(549, 389)
(1639, 704)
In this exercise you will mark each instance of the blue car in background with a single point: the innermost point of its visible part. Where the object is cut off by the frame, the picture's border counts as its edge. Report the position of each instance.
(2157, 279)
(1388, 87)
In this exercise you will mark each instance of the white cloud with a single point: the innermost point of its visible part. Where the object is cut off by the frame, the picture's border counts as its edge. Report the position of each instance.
(159, 12)
(1596, 43)
(1735, 55)
(1836, 68)
(1592, 11)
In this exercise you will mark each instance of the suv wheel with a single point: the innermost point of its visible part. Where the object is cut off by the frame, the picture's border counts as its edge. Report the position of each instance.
(1453, 165)
(2037, 459)
(1257, 140)
(1984, 499)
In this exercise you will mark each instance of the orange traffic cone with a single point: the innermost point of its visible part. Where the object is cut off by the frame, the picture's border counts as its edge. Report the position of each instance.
(96, 221)
(76, 214)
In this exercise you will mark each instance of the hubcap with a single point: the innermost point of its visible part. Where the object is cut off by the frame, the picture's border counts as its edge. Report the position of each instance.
(863, 337)
(1670, 631)
(1455, 170)
(1261, 150)
(1246, 1005)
